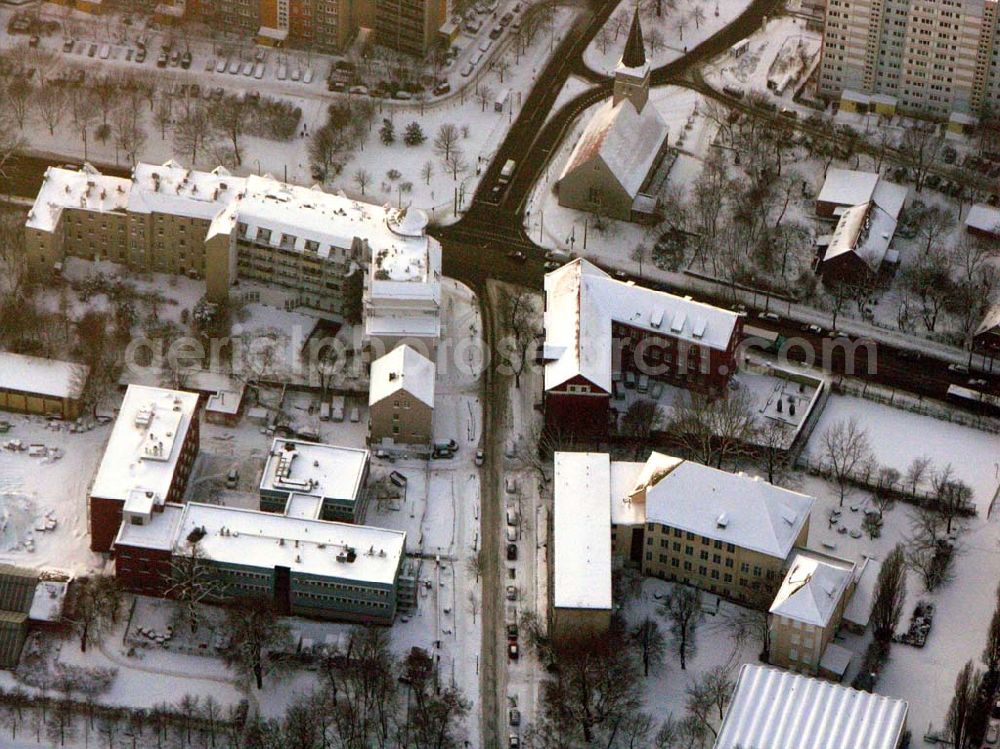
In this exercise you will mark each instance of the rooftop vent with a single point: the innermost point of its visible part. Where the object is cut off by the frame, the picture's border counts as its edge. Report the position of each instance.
(722, 521)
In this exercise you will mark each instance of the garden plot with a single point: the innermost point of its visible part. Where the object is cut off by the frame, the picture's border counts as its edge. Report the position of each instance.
(897, 437)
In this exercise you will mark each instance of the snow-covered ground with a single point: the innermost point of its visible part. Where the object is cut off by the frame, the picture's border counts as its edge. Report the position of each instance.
(553, 226)
(897, 437)
(751, 69)
(682, 25)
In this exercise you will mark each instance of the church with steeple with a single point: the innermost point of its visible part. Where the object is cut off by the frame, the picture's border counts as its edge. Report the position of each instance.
(614, 166)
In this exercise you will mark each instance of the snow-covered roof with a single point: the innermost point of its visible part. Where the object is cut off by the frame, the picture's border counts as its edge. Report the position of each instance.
(176, 190)
(847, 187)
(48, 601)
(581, 524)
(86, 189)
(734, 508)
(859, 609)
(403, 368)
(234, 535)
(623, 478)
(775, 709)
(626, 140)
(224, 401)
(990, 320)
(581, 301)
(145, 443)
(984, 218)
(34, 374)
(157, 532)
(867, 229)
(812, 588)
(329, 471)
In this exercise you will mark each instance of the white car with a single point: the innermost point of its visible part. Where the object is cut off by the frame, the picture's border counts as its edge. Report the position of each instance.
(467, 70)
(307, 77)
(258, 71)
(220, 66)
(282, 72)
(234, 67)
(248, 68)
(296, 74)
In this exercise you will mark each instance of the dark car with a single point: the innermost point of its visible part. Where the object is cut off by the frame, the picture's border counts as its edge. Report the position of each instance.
(511, 552)
(92, 51)
(186, 60)
(140, 56)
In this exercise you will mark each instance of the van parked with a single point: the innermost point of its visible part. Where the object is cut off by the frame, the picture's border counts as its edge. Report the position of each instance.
(337, 408)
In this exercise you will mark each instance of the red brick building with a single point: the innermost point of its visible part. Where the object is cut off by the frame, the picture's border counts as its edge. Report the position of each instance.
(601, 333)
(148, 459)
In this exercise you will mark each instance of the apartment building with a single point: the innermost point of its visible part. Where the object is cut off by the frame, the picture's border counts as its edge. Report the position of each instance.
(316, 481)
(401, 399)
(303, 566)
(598, 329)
(409, 26)
(220, 227)
(934, 57)
(147, 460)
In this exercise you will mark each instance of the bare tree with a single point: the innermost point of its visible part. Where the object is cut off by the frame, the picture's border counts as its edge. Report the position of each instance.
(362, 178)
(229, 116)
(929, 552)
(713, 431)
(961, 717)
(328, 147)
(94, 608)
(844, 450)
(682, 608)
(917, 471)
(445, 140)
(920, 147)
(455, 162)
(130, 136)
(638, 423)
(254, 630)
(427, 172)
(521, 320)
(952, 497)
(991, 653)
(19, 93)
(51, 102)
(889, 595)
(708, 695)
(651, 643)
(192, 581)
(193, 134)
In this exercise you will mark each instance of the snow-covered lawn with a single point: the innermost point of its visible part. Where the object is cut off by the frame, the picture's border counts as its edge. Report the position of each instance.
(897, 437)
(681, 25)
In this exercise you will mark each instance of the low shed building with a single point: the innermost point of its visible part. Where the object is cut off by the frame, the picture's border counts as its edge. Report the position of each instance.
(33, 385)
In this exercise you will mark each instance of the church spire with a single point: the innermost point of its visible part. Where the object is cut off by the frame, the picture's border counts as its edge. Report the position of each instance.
(634, 55)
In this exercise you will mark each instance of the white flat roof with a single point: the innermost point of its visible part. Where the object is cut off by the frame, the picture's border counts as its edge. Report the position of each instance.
(743, 510)
(158, 533)
(264, 539)
(33, 374)
(176, 190)
(47, 605)
(775, 709)
(145, 443)
(582, 531)
(812, 588)
(331, 471)
(405, 369)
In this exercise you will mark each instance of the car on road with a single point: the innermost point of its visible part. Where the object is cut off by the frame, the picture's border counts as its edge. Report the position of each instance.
(511, 556)
(514, 716)
(620, 275)
(511, 593)
(512, 632)
(769, 316)
(441, 88)
(977, 383)
(517, 255)
(480, 457)
(958, 369)
(814, 329)
(552, 265)
(515, 742)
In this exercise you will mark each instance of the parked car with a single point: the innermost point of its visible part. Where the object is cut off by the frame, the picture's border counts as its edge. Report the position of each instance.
(398, 479)
(512, 653)
(517, 255)
(958, 369)
(92, 50)
(810, 328)
(161, 60)
(514, 716)
(68, 45)
(511, 593)
(33, 40)
(480, 457)
(186, 60)
(441, 88)
(511, 553)
(232, 479)
(515, 742)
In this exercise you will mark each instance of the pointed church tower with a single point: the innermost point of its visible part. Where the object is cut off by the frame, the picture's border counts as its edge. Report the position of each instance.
(632, 73)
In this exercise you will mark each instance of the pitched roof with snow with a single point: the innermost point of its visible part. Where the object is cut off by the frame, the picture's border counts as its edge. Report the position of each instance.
(984, 218)
(812, 588)
(145, 443)
(990, 320)
(403, 368)
(85, 189)
(867, 229)
(847, 187)
(775, 709)
(626, 140)
(581, 523)
(729, 507)
(581, 302)
(49, 377)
